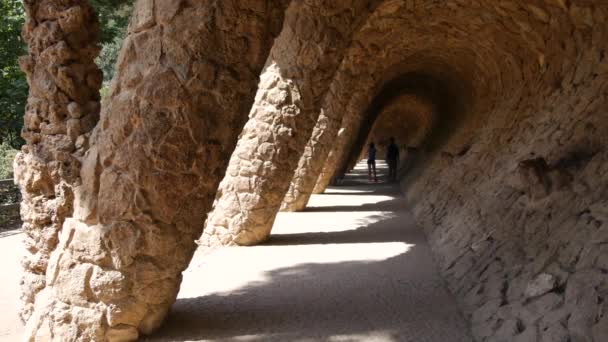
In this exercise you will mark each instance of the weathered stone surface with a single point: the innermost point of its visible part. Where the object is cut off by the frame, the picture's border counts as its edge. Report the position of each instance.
(509, 184)
(513, 186)
(131, 199)
(297, 75)
(408, 119)
(64, 86)
(540, 285)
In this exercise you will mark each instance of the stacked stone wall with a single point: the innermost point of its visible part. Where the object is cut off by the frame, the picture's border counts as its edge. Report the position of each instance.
(511, 192)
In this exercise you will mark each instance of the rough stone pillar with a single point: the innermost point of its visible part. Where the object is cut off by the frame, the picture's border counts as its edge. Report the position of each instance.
(324, 177)
(339, 148)
(62, 108)
(311, 163)
(408, 118)
(298, 73)
(322, 138)
(187, 75)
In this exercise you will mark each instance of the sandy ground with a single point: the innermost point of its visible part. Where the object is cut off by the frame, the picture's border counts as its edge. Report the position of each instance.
(11, 252)
(352, 267)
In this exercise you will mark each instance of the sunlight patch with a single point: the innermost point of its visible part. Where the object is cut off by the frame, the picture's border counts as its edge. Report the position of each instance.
(311, 222)
(229, 269)
(370, 336)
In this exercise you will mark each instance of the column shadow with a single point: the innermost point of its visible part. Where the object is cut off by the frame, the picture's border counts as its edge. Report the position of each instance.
(397, 298)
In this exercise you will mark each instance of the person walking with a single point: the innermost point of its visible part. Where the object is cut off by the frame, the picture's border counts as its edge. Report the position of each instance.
(392, 159)
(371, 162)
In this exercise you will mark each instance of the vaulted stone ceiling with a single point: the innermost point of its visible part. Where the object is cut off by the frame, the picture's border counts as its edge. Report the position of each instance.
(510, 185)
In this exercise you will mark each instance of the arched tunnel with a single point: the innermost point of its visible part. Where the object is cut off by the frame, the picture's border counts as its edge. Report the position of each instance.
(417, 109)
(222, 113)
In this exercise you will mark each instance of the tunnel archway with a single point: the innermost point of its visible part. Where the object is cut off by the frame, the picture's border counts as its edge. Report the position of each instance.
(408, 119)
(446, 103)
(530, 135)
(511, 191)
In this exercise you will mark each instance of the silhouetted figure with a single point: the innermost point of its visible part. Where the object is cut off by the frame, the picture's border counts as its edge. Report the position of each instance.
(371, 162)
(392, 159)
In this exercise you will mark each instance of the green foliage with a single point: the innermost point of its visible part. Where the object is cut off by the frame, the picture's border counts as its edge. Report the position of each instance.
(108, 57)
(7, 154)
(114, 18)
(13, 86)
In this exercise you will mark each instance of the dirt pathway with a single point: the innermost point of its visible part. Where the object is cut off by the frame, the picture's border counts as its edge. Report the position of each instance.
(11, 252)
(353, 267)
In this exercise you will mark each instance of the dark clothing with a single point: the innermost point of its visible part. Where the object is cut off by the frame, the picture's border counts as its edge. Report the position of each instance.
(371, 155)
(392, 157)
(392, 152)
(371, 163)
(392, 164)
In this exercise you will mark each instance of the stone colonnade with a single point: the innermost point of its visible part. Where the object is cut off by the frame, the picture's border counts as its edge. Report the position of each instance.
(298, 73)
(510, 188)
(128, 198)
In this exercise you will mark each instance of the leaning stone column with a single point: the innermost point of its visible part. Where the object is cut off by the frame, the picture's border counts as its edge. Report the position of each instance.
(311, 163)
(331, 162)
(340, 141)
(297, 76)
(62, 108)
(335, 120)
(186, 79)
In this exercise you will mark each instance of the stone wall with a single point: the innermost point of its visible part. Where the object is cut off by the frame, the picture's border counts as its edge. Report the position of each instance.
(519, 223)
(511, 185)
(515, 203)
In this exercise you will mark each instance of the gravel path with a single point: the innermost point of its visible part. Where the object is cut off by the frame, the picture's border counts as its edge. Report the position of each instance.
(353, 267)
(11, 252)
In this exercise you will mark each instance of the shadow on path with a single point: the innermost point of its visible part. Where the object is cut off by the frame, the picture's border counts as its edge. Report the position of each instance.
(392, 292)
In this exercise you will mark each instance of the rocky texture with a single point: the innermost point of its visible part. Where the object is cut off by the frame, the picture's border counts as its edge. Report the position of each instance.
(297, 75)
(335, 148)
(510, 184)
(514, 205)
(408, 119)
(172, 117)
(62, 108)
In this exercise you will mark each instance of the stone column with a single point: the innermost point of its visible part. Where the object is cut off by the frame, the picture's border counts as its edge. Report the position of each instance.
(311, 163)
(62, 108)
(325, 175)
(340, 146)
(185, 82)
(297, 76)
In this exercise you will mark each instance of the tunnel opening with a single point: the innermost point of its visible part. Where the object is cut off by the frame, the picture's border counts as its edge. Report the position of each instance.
(448, 98)
(509, 188)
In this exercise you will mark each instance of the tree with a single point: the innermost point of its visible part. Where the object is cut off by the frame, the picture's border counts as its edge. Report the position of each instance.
(114, 19)
(13, 85)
